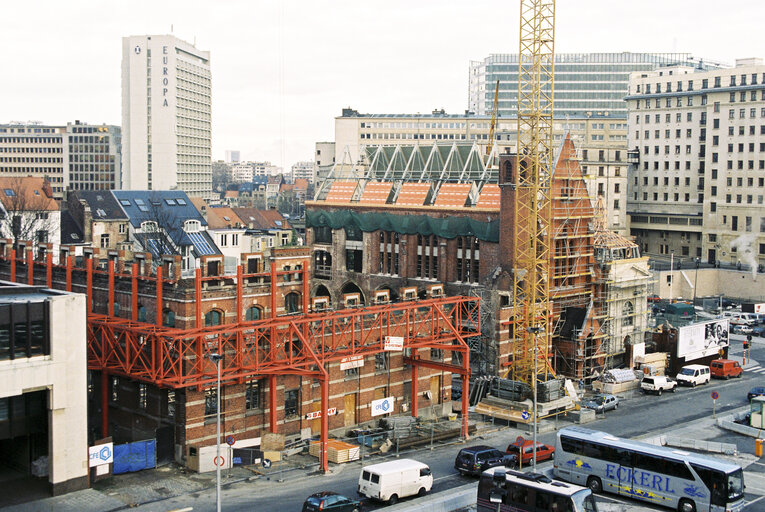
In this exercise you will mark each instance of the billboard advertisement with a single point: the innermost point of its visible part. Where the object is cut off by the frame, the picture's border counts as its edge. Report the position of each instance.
(703, 339)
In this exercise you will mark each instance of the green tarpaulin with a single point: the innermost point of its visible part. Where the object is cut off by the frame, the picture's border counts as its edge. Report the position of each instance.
(449, 227)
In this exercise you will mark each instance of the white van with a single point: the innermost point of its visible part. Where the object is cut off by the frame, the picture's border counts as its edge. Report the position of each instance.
(389, 481)
(693, 374)
(739, 318)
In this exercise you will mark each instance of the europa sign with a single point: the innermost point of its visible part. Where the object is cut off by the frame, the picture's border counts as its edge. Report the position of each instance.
(394, 343)
(383, 406)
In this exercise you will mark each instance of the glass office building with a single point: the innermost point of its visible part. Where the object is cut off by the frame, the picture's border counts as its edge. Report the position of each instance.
(586, 84)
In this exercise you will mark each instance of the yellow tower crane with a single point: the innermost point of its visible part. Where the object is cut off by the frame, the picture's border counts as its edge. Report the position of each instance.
(532, 229)
(493, 124)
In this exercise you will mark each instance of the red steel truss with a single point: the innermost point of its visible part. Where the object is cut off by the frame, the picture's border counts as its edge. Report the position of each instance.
(298, 344)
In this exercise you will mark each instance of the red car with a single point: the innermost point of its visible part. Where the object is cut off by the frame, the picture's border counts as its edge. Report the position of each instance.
(526, 446)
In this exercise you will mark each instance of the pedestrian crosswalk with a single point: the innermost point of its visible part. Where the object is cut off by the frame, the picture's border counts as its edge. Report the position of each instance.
(755, 369)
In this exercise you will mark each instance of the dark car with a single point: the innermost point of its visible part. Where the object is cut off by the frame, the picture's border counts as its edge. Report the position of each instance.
(476, 459)
(759, 331)
(756, 391)
(328, 500)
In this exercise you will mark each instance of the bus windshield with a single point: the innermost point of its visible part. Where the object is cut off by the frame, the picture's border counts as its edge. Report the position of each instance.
(735, 485)
(584, 502)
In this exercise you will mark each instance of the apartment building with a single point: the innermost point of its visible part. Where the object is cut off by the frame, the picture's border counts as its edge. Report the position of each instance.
(697, 188)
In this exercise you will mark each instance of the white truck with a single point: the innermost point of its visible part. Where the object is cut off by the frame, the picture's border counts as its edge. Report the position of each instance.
(389, 481)
(657, 384)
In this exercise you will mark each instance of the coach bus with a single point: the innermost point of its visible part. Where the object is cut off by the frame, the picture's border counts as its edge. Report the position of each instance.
(503, 490)
(664, 476)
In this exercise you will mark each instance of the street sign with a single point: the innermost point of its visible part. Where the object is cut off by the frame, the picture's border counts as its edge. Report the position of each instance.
(715, 396)
(525, 415)
(230, 440)
(219, 461)
(101, 454)
(266, 463)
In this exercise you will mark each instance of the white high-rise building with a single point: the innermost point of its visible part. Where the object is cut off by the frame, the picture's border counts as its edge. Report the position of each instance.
(166, 115)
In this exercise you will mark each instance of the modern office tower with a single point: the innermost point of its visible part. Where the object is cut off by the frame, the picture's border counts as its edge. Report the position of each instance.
(94, 156)
(302, 170)
(584, 82)
(232, 156)
(77, 156)
(166, 115)
(697, 189)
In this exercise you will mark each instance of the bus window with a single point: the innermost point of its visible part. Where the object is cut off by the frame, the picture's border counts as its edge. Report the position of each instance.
(517, 494)
(561, 504)
(543, 500)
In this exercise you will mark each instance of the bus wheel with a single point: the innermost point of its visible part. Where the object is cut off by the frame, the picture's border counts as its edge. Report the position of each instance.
(595, 484)
(686, 506)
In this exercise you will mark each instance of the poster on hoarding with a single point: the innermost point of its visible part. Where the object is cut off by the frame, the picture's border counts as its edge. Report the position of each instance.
(703, 339)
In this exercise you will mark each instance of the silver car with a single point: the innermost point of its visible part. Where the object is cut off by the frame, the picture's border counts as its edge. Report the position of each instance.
(601, 403)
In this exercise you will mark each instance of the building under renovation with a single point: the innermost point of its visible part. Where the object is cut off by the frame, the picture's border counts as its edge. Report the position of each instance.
(438, 219)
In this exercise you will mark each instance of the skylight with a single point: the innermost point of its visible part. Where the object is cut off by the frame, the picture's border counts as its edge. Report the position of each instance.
(143, 208)
(181, 202)
(9, 192)
(139, 202)
(101, 213)
(170, 202)
(125, 202)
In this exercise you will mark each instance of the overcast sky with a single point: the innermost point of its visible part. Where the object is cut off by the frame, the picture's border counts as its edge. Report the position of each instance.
(61, 60)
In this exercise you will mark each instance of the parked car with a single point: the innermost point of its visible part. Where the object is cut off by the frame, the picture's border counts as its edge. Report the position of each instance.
(759, 331)
(693, 374)
(725, 368)
(602, 403)
(525, 448)
(474, 460)
(755, 391)
(653, 298)
(327, 500)
(742, 329)
(389, 481)
(657, 384)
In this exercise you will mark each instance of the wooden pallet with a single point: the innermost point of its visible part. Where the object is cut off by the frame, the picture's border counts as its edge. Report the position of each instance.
(337, 451)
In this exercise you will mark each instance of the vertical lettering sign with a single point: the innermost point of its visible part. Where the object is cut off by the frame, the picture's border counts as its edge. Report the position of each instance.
(165, 80)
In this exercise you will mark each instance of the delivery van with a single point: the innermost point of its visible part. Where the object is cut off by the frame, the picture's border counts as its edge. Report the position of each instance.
(389, 481)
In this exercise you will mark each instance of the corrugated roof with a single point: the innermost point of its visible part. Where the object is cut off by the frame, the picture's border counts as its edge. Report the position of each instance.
(376, 192)
(413, 194)
(452, 195)
(341, 191)
(489, 197)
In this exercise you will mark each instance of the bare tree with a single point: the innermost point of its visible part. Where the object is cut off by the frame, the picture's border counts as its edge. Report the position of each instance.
(25, 212)
(168, 225)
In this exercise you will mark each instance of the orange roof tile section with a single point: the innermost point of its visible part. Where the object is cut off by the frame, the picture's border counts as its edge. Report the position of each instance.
(452, 195)
(376, 192)
(413, 194)
(341, 192)
(489, 197)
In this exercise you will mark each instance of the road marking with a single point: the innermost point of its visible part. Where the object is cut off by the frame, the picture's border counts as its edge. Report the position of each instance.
(754, 501)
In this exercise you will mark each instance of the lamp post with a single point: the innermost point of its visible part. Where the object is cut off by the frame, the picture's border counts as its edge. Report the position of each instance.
(216, 358)
(534, 330)
(671, 273)
(695, 281)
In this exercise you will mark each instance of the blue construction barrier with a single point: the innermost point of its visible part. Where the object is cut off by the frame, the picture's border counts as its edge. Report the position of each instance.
(135, 456)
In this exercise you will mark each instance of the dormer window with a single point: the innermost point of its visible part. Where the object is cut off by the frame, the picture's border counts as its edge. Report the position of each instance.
(191, 226)
(149, 226)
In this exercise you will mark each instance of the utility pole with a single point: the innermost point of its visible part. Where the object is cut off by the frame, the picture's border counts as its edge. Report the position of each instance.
(671, 273)
(216, 358)
(695, 281)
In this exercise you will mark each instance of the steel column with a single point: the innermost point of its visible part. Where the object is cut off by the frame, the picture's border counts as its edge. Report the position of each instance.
(110, 311)
(134, 293)
(465, 393)
(158, 321)
(274, 307)
(49, 269)
(272, 416)
(198, 296)
(30, 268)
(89, 283)
(324, 421)
(414, 388)
(306, 289)
(69, 273)
(239, 292)
(104, 403)
(13, 265)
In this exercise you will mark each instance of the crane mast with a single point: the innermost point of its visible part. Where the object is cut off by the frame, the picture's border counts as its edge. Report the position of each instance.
(532, 228)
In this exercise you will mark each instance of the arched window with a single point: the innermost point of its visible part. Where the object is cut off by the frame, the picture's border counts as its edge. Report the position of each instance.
(291, 302)
(508, 172)
(627, 312)
(168, 318)
(253, 313)
(213, 317)
(192, 226)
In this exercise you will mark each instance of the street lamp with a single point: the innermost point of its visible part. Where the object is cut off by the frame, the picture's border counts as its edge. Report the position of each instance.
(216, 358)
(534, 330)
(696, 280)
(671, 273)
